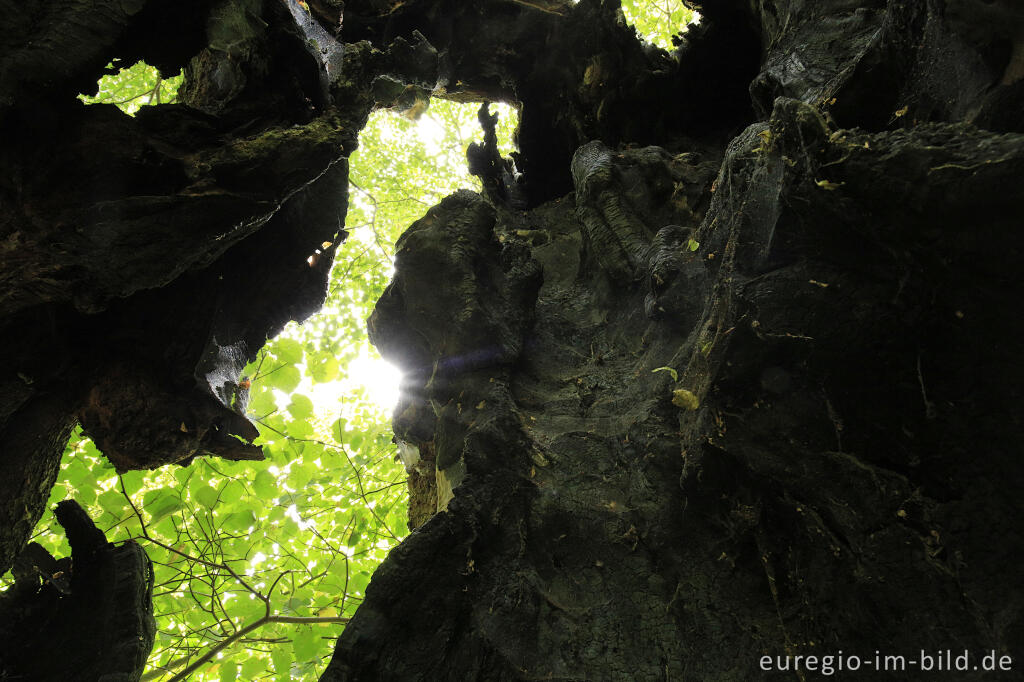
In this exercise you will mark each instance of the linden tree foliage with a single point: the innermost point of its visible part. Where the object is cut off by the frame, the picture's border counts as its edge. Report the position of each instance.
(259, 565)
(133, 87)
(656, 21)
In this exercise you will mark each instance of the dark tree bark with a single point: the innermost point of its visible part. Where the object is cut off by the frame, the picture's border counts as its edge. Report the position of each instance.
(41, 616)
(729, 370)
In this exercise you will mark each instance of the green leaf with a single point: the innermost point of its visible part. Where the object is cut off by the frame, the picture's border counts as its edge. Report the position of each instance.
(282, 659)
(300, 428)
(323, 369)
(287, 350)
(359, 581)
(228, 671)
(286, 379)
(275, 424)
(240, 521)
(163, 507)
(231, 492)
(656, 22)
(299, 475)
(163, 523)
(278, 453)
(254, 668)
(306, 644)
(248, 610)
(151, 496)
(195, 617)
(338, 430)
(207, 496)
(355, 440)
(300, 407)
(132, 481)
(265, 485)
(276, 515)
(112, 501)
(86, 496)
(183, 474)
(261, 400)
(57, 493)
(78, 473)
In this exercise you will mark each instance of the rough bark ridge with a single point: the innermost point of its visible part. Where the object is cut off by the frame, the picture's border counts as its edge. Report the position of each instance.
(750, 390)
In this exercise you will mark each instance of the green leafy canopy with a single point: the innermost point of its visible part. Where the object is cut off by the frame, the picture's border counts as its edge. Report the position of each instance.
(133, 87)
(656, 21)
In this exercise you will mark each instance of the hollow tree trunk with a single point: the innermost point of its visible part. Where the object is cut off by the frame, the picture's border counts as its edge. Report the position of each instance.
(726, 400)
(730, 370)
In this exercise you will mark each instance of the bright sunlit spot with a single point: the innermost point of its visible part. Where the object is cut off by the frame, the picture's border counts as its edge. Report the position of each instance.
(378, 378)
(430, 134)
(375, 379)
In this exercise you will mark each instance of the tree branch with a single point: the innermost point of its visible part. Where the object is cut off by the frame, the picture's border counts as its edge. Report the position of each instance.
(225, 643)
